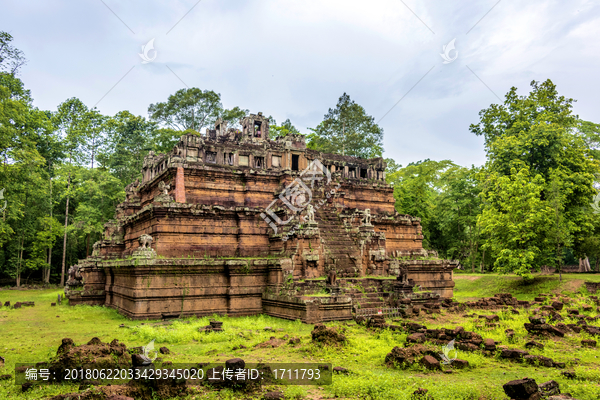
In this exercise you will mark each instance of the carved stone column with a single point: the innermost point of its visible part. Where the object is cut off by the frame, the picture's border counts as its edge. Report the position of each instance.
(179, 186)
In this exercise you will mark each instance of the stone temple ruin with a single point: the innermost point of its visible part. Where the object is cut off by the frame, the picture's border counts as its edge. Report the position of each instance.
(236, 222)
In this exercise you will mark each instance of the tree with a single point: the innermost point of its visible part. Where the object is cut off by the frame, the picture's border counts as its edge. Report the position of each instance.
(128, 142)
(347, 130)
(94, 138)
(96, 194)
(194, 109)
(516, 221)
(233, 116)
(538, 133)
(416, 189)
(11, 58)
(282, 130)
(72, 119)
(590, 133)
(453, 228)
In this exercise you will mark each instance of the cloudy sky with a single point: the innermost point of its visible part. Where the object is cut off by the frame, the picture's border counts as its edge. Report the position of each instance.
(293, 59)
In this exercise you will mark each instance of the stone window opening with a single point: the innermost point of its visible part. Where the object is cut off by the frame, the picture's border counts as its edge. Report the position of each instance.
(211, 157)
(295, 162)
(228, 158)
(276, 161)
(363, 173)
(257, 131)
(259, 162)
(352, 172)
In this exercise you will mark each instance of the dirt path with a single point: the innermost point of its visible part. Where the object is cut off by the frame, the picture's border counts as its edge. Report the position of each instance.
(466, 277)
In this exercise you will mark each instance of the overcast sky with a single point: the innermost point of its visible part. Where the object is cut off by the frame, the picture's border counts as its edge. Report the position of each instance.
(294, 59)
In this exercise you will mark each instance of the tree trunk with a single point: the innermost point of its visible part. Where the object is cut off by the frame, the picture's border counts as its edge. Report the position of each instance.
(482, 267)
(473, 257)
(20, 259)
(47, 271)
(586, 264)
(93, 150)
(87, 247)
(62, 271)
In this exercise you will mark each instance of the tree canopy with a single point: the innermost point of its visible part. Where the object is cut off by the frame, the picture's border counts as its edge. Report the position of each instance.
(347, 129)
(194, 109)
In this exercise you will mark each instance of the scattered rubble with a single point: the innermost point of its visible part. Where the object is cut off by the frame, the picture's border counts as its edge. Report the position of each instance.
(328, 336)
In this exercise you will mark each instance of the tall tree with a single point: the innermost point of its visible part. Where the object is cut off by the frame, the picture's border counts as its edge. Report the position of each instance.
(416, 188)
(537, 133)
(128, 141)
(454, 230)
(516, 220)
(347, 129)
(194, 109)
(11, 58)
(72, 120)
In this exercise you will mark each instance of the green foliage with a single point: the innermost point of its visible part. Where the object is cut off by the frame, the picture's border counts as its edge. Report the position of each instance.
(416, 189)
(128, 143)
(516, 221)
(348, 130)
(454, 231)
(533, 141)
(193, 108)
(284, 129)
(11, 58)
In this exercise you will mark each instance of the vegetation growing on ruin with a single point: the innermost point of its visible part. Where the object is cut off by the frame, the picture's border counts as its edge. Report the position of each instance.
(363, 355)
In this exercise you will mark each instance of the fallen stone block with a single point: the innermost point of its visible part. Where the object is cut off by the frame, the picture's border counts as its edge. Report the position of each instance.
(514, 354)
(533, 343)
(549, 388)
(328, 336)
(537, 320)
(569, 374)
(416, 338)
(430, 362)
(459, 364)
(588, 343)
(489, 344)
(402, 357)
(521, 389)
(541, 360)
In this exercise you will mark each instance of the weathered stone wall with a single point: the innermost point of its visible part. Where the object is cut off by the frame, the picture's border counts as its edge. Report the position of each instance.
(308, 310)
(182, 230)
(172, 287)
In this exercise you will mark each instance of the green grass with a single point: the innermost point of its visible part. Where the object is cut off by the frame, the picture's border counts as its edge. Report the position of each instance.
(474, 286)
(33, 335)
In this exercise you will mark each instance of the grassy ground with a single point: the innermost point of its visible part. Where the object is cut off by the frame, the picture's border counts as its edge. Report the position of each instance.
(474, 286)
(33, 335)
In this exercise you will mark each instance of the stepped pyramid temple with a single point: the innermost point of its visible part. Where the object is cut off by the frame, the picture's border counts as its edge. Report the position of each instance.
(238, 223)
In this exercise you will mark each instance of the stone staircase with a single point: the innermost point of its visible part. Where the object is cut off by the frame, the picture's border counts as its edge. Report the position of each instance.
(341, 252)
(364, 296)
